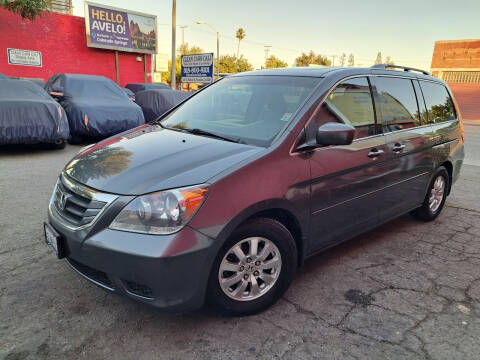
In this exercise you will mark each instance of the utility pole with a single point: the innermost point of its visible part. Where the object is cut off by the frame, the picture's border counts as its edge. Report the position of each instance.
(218, 44)
(267, 51)
(333, 59)
(218, 55)
(183, 27)
(173, 80)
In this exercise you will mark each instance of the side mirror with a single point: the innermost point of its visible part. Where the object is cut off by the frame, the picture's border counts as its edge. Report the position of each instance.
(335, 134)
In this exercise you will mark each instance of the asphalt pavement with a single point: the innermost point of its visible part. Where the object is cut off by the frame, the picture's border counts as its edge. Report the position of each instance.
(407, 290)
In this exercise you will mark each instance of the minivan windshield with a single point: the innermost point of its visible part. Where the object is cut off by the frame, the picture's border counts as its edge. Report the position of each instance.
(250, 109)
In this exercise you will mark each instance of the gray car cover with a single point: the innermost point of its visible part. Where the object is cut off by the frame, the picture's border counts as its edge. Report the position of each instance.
(29, 115)
(140, 87)
(95, 105)
(154, 103)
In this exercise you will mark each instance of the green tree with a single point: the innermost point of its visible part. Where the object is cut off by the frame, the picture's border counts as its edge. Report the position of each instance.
(240, 36)
(378, 60)
(351, 60)
(27, 9)
(312, 58)
(273, 62)
(343, 59)
(231, 64)
(389, 61)
(185, 49)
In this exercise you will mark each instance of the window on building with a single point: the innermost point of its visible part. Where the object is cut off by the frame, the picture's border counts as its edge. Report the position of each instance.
(464, 77)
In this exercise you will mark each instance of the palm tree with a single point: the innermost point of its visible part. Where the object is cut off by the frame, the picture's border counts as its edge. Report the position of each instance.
(240, 36)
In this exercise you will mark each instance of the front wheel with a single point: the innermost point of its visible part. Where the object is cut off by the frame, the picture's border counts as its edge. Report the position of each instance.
(254, 268)
(435, 198)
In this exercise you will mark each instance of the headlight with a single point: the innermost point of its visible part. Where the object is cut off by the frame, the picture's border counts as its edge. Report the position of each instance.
(163, 212)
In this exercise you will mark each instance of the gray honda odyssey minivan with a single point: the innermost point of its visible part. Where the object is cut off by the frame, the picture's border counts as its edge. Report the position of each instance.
(223, 197)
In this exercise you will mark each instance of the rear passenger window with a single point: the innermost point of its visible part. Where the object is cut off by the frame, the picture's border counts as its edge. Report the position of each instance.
(397, 103)
(439, 103)
(351, 103)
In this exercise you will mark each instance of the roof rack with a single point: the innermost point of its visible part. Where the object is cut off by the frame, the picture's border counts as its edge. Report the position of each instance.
(405, 68)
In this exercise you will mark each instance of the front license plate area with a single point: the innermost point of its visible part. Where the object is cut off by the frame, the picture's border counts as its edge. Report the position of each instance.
(54, 240)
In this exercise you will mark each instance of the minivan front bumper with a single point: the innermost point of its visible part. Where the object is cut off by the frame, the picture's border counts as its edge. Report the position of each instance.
(167, 271)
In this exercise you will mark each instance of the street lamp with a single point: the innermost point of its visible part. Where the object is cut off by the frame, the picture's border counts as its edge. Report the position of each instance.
(173, 71)
(218, 44)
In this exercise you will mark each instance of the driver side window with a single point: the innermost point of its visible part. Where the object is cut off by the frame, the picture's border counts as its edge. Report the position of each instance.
(350, 103)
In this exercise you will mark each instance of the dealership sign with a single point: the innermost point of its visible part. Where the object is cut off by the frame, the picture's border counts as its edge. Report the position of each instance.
(24, 57)
(197, 68)
(118, 29)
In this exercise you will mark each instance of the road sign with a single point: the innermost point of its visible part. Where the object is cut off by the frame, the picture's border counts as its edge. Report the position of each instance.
(197, 68)
(24, 57)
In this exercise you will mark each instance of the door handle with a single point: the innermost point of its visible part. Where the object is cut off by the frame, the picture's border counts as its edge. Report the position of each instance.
(398, 147)
(374, 153)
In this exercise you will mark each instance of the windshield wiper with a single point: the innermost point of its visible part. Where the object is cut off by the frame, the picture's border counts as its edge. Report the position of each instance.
(197, 131)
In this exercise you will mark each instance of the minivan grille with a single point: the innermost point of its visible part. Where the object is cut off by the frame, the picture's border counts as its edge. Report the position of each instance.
(75, 208)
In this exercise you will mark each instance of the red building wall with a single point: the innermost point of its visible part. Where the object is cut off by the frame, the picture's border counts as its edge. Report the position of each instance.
(62, 41)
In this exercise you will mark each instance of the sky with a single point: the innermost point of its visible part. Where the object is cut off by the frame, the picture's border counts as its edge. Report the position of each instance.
(404, 30)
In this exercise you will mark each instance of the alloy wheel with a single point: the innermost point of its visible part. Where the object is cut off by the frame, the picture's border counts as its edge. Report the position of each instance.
(250, 269)
(436, 194)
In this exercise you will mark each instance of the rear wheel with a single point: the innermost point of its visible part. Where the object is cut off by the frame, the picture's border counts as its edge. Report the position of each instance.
(435, 198)
(254, 268)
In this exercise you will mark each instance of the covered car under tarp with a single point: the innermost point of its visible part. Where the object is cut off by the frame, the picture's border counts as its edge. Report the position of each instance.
(28, 115)
(140, 87)
(36, 81)
(130, 93)
(156, 102)
(95, 105)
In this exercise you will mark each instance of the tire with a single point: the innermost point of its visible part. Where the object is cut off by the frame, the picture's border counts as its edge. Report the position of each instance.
(429, 210)
(59, 145)
(75, 140)
(254, 299)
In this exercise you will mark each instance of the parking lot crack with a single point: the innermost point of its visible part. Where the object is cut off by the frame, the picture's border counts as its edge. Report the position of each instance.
(300, 309)
(463, 208)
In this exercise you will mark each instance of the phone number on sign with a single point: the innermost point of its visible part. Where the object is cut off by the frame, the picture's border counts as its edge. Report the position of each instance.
(197, 70)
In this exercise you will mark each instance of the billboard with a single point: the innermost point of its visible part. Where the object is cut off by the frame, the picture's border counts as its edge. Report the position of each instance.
(197, 68)
(118, 29)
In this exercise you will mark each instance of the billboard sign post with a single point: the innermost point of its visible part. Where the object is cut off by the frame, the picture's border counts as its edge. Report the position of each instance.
(197, 68)
(118, 29)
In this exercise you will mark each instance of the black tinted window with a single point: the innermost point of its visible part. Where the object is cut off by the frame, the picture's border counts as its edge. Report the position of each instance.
(439, 103)
(397, 103)
(351, 103)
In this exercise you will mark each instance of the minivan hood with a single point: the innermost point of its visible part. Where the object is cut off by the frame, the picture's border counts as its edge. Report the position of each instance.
(150, 158)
